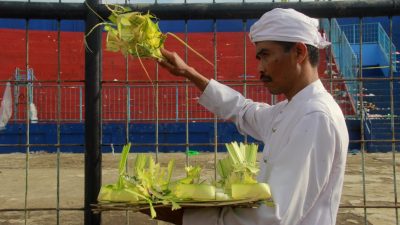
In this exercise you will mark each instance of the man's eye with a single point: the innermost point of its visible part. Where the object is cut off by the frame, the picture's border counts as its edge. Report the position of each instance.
(264, 54)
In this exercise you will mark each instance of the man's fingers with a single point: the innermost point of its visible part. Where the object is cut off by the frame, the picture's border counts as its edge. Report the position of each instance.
(167, 54)
(164, 51)
(168, 58)
(166, 64)
(172, 62)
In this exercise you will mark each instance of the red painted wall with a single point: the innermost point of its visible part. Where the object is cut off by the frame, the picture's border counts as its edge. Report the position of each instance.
(41, 54)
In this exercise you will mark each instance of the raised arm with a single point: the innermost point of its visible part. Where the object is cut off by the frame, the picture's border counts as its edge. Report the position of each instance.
(176, 66)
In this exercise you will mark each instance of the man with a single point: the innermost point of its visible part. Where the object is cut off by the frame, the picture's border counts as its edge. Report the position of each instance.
(305, 136)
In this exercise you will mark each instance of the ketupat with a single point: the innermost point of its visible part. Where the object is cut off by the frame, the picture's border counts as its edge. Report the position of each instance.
(113, 193)
(122, 191)
(192, 188)
(150, 183)
(198, 192)
(238, 173)
(251, 191)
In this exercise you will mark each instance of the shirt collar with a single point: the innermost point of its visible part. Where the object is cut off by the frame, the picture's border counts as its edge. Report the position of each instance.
(311, 89)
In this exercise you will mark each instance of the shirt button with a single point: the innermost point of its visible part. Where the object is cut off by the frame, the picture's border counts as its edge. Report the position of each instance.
(273, 130)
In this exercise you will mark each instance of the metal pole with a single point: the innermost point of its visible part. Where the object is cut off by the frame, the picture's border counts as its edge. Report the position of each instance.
(187, 140)
(362, 117)
(58, 116)
(215, 116)
(92, 116)
(244, 23)
(238, 10)
(392, 121)
(27, 120)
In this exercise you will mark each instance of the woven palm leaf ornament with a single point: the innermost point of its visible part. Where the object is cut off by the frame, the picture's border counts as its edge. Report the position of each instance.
(136, 34)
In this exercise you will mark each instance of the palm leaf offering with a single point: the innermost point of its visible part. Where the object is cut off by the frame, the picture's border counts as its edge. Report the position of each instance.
(238, 173)
(147, 184)
(136, 34)
(133, 33)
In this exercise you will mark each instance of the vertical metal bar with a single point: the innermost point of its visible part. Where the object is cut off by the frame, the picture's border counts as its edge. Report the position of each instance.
(360, 91)
(215, 117)
(66, 112)
(393, 130)
(29, 78)
(47, 101)
(245, 64)
(176, 102)
(273, 99)
(187, 124)
(146, 92)
(128, 100)
(187, 100)
(16, 95)
(27, 125)
(329, 52)
(157, 112)
(186, 91)
(100, 116)
(134, 97)
(80, 104)
(58, 115)
(128, 112)
(92, 116)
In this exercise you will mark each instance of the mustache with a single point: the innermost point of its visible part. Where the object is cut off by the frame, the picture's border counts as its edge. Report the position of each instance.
(265, 78)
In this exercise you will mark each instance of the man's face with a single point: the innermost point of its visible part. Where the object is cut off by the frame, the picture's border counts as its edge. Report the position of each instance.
(277, 67)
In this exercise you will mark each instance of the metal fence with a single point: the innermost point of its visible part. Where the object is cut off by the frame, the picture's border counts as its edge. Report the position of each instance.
(136, 102)
(373, 198)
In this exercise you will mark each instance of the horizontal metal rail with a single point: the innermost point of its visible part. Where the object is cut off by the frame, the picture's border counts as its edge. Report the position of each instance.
(369, 206)
(174, 82)
(41, 209)
(78, 209)
(246, 10)
(169, 144)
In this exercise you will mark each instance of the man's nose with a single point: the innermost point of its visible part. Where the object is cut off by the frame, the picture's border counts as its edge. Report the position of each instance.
(260, 68)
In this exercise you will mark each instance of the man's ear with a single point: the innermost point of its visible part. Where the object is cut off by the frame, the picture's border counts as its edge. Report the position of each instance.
(301, 52)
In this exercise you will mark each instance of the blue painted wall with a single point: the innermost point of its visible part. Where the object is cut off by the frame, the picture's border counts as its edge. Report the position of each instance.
(169, 133)
(373, 56)
(165, 26)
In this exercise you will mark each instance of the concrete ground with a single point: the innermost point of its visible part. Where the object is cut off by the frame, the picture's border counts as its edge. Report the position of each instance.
(42, 188)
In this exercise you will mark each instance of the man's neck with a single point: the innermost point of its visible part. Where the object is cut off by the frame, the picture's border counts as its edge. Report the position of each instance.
(308, 77)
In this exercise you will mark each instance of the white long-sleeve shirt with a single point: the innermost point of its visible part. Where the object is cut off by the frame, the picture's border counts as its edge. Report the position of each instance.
(306, 141)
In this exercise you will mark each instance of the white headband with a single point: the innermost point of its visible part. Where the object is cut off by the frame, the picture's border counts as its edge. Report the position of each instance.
(287, 25)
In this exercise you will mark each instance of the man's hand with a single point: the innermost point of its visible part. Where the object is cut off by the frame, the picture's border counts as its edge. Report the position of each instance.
(174, 64)
(167, 215)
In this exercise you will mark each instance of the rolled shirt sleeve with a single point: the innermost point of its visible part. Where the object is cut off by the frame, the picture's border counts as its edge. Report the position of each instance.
(250, 117)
